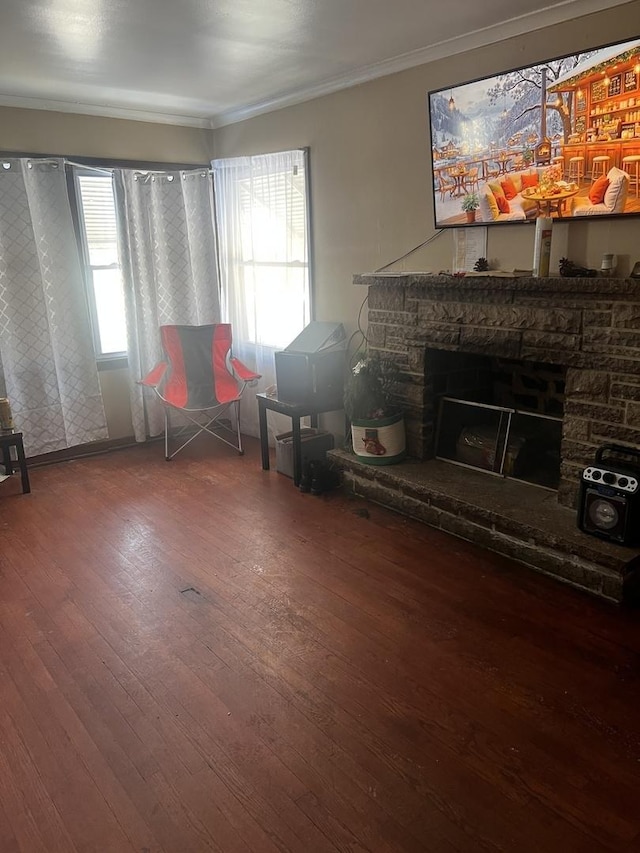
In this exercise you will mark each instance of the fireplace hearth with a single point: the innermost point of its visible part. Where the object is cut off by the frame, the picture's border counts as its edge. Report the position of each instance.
(583, 338)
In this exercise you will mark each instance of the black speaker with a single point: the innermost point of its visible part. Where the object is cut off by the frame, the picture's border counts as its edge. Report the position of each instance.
(609, 504)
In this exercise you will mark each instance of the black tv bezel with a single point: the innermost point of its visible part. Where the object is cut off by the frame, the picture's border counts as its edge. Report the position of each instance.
(493, 223)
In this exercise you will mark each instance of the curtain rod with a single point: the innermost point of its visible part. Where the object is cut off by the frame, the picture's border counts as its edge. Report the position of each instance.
(104, 170)
(109, 170)
(55, 161)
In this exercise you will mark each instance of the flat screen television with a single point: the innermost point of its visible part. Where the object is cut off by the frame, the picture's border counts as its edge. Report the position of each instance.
(559, 139)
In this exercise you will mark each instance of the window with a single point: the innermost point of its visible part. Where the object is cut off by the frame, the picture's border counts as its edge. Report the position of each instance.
(97, 213)
(262, 220)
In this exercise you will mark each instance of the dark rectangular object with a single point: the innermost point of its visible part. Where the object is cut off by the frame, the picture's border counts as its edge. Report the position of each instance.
(311, 378)
(314, 444)
(310, 370)
(609, 503)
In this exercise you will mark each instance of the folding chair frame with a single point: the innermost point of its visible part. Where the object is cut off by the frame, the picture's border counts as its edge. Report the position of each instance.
(202, 427)
(229, 378)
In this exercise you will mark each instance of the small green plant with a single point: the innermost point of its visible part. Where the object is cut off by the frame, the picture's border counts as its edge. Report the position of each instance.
(368, 388)
(470, 202)
(527, 156)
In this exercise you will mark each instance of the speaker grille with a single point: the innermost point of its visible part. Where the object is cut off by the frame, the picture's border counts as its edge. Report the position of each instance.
(605, 515)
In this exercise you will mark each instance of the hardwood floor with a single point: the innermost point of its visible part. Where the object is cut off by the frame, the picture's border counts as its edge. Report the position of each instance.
(195, 656)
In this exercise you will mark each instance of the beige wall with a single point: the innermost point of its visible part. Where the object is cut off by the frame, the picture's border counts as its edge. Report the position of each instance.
(371, 172)
(43, 132)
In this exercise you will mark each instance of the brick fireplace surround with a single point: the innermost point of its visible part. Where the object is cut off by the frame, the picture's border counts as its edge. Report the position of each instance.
(589, 325)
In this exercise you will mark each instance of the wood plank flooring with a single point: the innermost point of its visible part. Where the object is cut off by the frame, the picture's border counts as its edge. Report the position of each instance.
(194, 656)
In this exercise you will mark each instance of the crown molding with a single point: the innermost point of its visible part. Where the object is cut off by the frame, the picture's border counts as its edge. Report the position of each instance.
(521, 25)
(130, 114)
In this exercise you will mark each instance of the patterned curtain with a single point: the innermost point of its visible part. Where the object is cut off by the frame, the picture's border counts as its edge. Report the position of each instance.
(168, 256)
(47, 361)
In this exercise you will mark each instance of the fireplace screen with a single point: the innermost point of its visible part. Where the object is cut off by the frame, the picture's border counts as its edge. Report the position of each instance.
(506, 442)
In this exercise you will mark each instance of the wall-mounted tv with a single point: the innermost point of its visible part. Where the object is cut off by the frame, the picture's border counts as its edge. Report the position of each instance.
(559, 139)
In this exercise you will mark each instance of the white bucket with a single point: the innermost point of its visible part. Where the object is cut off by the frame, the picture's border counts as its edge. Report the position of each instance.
(379, 442)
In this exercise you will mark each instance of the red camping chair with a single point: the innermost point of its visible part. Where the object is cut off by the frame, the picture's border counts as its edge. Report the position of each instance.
(201, 380)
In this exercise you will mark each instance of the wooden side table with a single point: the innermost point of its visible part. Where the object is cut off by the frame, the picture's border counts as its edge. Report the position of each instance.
(9, 439)
(295, 411)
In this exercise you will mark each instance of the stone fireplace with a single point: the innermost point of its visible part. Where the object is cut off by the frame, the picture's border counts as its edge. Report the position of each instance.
(582, 335)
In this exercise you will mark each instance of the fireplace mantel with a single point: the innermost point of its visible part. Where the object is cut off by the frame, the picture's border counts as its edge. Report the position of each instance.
(556, 285)
(589, 325)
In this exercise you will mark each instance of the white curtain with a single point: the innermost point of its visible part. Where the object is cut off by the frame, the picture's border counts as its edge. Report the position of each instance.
(47, 360)
(261, 216)
(167, 250)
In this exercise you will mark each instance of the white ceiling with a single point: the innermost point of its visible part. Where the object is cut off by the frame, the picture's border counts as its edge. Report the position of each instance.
(212, 62)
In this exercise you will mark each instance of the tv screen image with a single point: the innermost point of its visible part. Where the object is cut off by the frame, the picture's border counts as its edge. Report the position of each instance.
(559, 139)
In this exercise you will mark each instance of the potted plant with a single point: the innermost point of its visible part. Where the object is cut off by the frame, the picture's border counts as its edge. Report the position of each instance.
(377, 422)
(527, 156)
(470, 203)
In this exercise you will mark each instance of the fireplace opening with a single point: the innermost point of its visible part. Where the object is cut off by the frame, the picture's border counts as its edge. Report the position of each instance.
(498, 415)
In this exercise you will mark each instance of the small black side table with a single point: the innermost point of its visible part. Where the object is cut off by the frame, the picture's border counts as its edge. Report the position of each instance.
(9, 439)
(295, 411)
